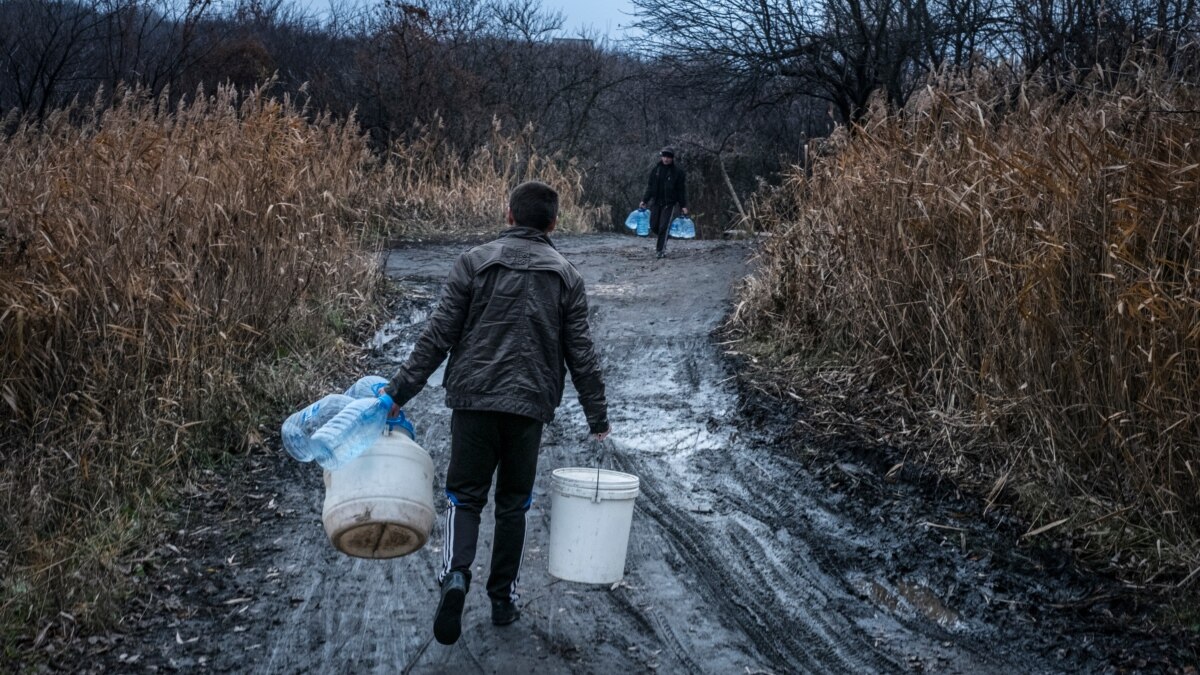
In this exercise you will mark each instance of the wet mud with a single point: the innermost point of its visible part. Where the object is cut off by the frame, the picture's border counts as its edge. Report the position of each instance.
(752, 551)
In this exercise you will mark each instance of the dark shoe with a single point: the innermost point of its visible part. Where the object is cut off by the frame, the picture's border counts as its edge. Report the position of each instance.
(504, 612)
(661, 255)
(447, 625)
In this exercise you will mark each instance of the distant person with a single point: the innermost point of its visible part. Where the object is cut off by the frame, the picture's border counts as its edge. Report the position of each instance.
(666, 190)
(514, 319)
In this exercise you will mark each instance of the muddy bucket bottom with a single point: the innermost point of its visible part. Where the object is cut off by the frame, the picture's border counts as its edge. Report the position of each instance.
(378, 540)
(378, 527)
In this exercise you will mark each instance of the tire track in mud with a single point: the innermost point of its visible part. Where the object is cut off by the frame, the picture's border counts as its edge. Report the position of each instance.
(746, 591)
(742, 588)
(652, 621)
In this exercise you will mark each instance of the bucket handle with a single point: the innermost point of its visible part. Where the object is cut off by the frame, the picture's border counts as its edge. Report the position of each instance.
(602, 452)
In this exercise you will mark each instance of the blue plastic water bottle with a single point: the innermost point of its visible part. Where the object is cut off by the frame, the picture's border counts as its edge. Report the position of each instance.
(683, 228)
(298, 428)
(351, 431)
(370, 386)
(638, 220)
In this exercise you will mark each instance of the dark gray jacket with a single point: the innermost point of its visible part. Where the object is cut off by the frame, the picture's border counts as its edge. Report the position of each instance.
(666, 185)
(514, 318)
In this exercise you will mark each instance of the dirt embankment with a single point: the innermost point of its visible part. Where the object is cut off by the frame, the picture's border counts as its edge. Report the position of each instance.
(751, 551)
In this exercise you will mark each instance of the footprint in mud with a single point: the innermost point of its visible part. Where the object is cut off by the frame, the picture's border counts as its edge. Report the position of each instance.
(690, 373)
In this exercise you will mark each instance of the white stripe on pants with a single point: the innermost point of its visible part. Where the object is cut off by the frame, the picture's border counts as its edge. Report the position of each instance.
(512, 593)
(448, 551)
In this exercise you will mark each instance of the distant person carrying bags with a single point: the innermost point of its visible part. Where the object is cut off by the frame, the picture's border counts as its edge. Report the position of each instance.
(514, 319)
(666, 190)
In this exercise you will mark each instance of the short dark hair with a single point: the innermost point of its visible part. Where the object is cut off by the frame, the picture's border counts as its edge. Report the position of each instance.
(534, 204)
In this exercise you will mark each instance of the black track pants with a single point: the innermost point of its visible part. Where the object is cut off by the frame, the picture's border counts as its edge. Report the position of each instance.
(483, 443)
(660, 223)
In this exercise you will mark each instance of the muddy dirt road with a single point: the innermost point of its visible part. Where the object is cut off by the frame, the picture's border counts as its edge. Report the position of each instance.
(748, 554)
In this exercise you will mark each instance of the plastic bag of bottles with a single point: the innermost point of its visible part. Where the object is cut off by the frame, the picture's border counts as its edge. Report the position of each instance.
(683, 228)
(639, 221)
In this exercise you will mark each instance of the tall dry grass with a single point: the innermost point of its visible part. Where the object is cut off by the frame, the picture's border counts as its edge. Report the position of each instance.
(1012, 276)
(434, 191)
(170, 278)
(150, 260)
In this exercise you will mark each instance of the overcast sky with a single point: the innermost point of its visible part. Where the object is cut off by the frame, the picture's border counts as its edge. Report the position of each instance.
(608, 17)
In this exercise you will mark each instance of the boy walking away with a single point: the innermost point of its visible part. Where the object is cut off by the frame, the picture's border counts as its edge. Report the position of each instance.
(514, 318)
(666, 189)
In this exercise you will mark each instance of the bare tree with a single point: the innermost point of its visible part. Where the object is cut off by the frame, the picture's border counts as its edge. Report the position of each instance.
(844, 51)
(841, 51)
(43, 43)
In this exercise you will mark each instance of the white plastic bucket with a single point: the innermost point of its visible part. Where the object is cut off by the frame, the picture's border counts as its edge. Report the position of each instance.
(591, 511)
(380, 505)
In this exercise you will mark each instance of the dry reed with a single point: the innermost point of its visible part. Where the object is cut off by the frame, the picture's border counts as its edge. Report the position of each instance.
(1015, 275)
(149, 259)
(433, 191)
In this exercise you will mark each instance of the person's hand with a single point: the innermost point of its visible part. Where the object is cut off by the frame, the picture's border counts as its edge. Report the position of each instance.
(685, 210)
(394, 412)
(603, 434)
(641, 205)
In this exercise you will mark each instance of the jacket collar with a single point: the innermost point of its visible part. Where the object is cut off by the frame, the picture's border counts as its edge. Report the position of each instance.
(531, 233)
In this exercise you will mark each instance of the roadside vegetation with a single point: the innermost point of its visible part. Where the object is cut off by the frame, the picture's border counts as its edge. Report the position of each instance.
(173, 280)
(1004, 280)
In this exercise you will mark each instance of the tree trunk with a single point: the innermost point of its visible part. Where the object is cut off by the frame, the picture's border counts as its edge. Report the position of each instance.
(729, 184)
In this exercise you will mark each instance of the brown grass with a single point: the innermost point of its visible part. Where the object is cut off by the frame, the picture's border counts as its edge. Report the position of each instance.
(172, 278)
(1013, 278)
(434, 192)
(150, 260)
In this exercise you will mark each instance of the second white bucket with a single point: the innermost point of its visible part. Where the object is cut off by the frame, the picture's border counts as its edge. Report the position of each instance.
(591, 512)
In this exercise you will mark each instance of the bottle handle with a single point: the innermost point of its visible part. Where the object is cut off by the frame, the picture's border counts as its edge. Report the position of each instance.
(401, 421)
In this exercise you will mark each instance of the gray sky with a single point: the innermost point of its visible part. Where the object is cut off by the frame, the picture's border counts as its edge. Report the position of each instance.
(609, 17)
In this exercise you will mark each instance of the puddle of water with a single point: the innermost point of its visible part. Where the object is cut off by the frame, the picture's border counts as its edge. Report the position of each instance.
(613, 290)
(398, 327)
(679, 440)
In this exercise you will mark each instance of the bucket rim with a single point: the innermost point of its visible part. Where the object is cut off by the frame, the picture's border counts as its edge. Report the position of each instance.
(581, 477)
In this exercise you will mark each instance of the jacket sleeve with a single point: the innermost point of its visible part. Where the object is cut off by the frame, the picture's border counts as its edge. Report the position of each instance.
(582, 362)
(441, 334)
(649, 186)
